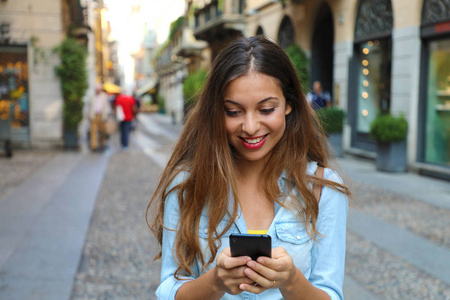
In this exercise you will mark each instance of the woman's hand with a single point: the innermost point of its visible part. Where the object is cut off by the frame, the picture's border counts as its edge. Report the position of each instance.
(276, 272)
(229, 272)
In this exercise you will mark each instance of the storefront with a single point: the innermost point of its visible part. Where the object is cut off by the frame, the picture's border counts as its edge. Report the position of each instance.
(14, 95)
(370, 70)
(434, 133)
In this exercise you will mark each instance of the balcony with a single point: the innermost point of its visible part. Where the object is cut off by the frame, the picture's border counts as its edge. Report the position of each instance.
(79, 28)
(214, 23)
(187, 46)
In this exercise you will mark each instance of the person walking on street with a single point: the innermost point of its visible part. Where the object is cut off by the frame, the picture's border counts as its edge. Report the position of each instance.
(98, 115)
(318, 98)
(127, 104)
(251, 159)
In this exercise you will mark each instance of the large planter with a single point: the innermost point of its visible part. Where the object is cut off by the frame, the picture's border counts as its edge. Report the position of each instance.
(391, 157)
(70, 139)
(335, 140)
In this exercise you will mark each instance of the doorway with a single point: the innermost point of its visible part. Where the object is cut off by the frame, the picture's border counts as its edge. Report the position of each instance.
(322, 49)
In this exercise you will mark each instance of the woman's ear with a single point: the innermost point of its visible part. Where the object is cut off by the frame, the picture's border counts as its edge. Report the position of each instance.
(288, 109)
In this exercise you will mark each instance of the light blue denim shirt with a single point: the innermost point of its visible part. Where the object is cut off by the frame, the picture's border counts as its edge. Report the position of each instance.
(322, 263)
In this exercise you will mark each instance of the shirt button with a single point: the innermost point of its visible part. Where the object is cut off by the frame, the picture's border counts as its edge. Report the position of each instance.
(206, 231)
(298, 237)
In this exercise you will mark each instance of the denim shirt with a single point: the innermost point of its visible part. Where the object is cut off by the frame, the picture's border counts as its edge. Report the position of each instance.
(322, 263)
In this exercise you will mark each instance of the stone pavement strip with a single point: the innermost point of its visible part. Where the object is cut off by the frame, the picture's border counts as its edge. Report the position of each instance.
(118, 254)
(43, 224)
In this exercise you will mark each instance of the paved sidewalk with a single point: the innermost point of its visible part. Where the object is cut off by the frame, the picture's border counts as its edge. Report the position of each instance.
(43, 224)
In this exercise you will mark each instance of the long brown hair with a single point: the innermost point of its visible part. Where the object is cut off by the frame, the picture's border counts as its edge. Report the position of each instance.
(203, 151)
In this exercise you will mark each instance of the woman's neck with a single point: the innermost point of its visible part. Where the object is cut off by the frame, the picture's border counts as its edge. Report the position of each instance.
(250, 171)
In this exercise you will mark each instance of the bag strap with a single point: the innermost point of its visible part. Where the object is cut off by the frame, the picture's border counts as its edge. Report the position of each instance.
(317, 188)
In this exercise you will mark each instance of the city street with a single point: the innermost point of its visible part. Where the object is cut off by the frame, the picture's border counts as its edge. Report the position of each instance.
(72, 224)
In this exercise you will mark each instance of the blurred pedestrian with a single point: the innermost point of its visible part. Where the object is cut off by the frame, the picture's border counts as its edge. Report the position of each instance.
(98, 114)
(127, 104)
(318, 98)
(246, 162)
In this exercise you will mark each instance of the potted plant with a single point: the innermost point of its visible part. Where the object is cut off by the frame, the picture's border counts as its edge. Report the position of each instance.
(390, 133)
(161, 104)
(73, 75)
(332, 122)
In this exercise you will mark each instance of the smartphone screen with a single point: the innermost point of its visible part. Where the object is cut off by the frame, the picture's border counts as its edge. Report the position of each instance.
(253, 245)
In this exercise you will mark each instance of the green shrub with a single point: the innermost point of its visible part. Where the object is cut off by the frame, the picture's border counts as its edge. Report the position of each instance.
(388, 128)
(331, 119)
(73, 75)
(193, 85)
(301, 64)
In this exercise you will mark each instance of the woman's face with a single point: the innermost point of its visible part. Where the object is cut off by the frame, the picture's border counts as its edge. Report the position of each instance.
(255, 111)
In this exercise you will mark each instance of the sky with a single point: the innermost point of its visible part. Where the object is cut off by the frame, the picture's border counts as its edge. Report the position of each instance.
(128, 19)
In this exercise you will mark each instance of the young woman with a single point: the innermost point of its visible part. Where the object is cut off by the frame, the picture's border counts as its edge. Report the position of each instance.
(246, 162)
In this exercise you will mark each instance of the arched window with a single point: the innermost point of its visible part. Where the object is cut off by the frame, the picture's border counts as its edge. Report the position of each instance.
(286, 33)
(370, 85)
(259, 31)
(435, 83)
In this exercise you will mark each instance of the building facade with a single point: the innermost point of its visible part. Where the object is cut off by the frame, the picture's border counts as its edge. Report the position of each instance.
(30, 92)
(373, 56)
(29, 88)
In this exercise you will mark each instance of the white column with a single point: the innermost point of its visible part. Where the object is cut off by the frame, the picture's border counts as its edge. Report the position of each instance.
(342, 54)
(405, 79)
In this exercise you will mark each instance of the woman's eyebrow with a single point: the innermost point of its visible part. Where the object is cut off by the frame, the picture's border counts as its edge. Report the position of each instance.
(262, 101)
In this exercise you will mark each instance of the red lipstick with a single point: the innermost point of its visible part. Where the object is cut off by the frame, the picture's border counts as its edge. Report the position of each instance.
(254, 146)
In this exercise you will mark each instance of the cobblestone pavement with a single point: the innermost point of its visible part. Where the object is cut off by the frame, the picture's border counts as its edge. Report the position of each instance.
(117, 260)
(376, 269)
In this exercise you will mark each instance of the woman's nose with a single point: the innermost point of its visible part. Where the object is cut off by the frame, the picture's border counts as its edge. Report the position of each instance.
(250, 125)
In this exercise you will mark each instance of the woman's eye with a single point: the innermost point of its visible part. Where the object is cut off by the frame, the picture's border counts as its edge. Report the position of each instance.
(231, 113)
(267, 111)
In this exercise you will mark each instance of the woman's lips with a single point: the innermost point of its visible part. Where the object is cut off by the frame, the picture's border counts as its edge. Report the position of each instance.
(253, 143)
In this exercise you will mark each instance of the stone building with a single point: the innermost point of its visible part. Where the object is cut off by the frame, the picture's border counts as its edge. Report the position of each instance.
(371, 55)
(181, 55)
(30, 94)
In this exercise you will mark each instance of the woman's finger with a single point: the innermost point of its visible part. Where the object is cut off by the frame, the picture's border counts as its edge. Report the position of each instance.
(265, 269)
(225, 261)
(261, 280)
(252, 288)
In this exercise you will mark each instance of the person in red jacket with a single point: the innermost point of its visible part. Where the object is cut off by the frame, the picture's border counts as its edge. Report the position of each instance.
(128, 105)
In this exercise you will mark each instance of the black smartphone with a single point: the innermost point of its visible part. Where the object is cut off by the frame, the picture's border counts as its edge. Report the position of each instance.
(253, 245)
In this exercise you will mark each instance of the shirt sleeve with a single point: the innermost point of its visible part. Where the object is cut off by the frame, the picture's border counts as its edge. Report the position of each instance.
(169, 285)
(328, 254)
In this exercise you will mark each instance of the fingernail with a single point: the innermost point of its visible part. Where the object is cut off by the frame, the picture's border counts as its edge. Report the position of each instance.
(242, 287)
(251, 264)
(248, 272)
(260, 260)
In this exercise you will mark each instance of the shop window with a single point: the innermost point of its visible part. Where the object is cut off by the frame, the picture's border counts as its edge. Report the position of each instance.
(434, 129)
(373, 82)
(370, 77)
(14, 91)
(437, 131)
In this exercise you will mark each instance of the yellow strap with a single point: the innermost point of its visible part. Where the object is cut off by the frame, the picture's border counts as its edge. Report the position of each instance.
(257, 231)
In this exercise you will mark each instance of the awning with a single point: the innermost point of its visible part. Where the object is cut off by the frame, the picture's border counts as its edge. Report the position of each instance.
(147, 88)
(111, 88)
